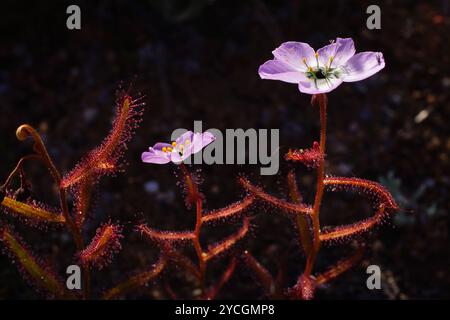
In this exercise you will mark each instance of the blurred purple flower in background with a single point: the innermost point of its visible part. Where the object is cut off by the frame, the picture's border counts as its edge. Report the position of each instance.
(323, 70)
(185, 145)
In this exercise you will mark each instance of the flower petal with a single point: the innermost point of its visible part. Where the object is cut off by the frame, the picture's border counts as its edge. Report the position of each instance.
(362, 66)
(344, 52)
(207, 138)
(189, 135)
(320, 86)
(277, 70)
(160, 145)
(292, 54)
(155, 156)
(175, 157)
(326, 52)
(198, 142)
(201, 140)
(182, 150)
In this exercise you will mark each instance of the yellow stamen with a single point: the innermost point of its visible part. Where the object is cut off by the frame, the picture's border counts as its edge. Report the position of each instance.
(174, 144)
(187, 142)
(169, 149)
(304, 61)
(164, 149)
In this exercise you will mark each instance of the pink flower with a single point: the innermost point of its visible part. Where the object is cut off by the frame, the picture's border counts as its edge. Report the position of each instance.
(185, 145)
(323, 70)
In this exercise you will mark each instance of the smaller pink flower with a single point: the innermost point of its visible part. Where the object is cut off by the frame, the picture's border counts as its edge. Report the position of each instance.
(179, 150)
(323, 70)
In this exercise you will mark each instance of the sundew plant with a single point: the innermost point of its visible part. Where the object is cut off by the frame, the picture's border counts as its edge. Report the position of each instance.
(316, 73)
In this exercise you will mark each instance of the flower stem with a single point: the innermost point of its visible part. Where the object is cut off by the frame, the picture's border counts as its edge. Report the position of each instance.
(197, 245)
(194, 196)
(322, 99)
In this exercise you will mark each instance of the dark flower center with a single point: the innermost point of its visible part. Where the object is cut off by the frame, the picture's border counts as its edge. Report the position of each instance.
(318, 74)
(322, 73)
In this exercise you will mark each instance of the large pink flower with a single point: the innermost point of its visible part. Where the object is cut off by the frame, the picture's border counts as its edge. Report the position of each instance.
(323, 70)
(185, 145)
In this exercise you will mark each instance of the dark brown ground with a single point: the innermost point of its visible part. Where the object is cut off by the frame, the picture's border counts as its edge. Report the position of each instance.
(199, 62)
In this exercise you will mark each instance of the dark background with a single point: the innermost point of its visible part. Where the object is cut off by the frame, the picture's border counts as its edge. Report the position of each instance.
(198, 60)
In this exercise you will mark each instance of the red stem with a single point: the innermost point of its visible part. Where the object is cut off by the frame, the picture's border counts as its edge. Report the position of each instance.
(197, 245)
(19, 166)
(22, 133)
(79, 243)
(195, 196)
(322, 98)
